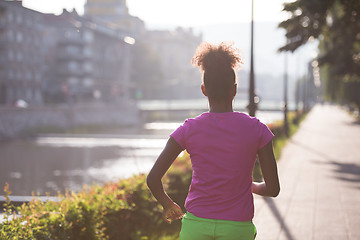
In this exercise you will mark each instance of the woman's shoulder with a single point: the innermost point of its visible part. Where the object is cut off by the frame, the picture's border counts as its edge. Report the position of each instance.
(247, 120)
(198, 118)
(245, 117)
(194, 120)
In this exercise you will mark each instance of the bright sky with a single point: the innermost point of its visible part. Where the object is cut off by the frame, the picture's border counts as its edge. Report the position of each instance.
(186, 13)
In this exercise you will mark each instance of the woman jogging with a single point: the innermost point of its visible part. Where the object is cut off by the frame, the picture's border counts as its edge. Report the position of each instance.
(223, 146)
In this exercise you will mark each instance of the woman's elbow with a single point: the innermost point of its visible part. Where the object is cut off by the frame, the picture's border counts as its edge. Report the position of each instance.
(275, 192)
(149, 180)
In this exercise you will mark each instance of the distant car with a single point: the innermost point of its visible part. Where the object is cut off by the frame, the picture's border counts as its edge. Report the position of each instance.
(20, 103)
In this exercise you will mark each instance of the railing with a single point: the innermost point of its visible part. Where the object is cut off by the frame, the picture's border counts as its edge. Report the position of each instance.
(201, 104)
(19, 200)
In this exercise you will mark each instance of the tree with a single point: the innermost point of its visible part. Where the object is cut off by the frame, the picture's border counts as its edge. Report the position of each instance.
(336, 24)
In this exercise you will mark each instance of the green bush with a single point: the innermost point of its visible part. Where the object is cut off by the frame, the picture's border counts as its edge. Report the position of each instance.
(123, 210)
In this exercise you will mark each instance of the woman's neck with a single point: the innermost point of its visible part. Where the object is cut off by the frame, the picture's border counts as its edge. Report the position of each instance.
(220, 107)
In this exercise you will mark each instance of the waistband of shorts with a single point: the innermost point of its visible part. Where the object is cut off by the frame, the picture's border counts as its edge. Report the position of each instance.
(191, 216)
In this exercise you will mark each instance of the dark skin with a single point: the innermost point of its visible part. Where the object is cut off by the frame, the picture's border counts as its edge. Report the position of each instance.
(172, 211)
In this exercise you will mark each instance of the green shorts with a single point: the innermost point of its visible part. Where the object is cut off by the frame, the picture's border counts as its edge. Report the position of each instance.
(205, 229)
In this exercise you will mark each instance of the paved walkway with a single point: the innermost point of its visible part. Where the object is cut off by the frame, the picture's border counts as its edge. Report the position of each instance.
(320, 182)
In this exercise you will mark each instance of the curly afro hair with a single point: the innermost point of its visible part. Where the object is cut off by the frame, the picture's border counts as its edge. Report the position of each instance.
(222, 56)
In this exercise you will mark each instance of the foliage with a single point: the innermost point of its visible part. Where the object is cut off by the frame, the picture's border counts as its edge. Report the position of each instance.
(280, 139)
(122, 210)
(336, 23)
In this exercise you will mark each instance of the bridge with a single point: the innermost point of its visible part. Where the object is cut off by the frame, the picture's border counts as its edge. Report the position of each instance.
(178, 109)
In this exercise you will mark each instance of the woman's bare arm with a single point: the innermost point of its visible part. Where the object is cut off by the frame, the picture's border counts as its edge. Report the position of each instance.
(171, 210)
(271, 186)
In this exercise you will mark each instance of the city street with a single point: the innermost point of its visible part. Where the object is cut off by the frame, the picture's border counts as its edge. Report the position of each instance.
(320, 181)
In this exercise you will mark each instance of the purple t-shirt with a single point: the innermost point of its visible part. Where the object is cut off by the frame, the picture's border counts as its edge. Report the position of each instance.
(222, 148)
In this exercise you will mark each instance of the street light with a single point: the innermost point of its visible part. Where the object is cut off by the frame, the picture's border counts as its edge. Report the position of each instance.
(286, 124)
(252, 105)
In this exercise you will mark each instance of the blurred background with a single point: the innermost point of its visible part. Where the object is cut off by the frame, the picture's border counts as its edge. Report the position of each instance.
(90, 90)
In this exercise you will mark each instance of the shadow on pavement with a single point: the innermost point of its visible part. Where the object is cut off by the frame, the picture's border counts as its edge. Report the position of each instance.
(356, 122)
(275, 211)
(349, 172)
(310, 149)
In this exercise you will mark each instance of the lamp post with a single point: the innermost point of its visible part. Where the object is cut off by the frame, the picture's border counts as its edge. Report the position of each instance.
(252, 105)
(286, 124)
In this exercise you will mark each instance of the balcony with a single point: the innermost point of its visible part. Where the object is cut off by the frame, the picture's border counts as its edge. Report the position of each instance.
(68, 72)
(65, 55)
(3, 60)
(2, 24)
(3, 39)
(71, 38)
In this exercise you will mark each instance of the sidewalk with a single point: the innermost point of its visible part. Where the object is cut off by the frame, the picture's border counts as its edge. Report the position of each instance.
(320, 182)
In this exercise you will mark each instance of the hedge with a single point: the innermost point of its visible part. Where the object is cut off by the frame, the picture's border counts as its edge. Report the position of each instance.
(122, 210)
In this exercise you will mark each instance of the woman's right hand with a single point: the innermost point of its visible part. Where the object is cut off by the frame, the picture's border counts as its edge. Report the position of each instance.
(172, 212)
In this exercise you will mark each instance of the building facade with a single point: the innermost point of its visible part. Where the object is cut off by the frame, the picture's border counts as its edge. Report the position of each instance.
(86, 61)
(175, 50)
(21, 54)
(45, 58)
(67, 58)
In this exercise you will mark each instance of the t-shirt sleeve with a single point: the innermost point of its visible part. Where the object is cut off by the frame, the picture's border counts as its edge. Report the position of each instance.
(265, 135)
(179, 135)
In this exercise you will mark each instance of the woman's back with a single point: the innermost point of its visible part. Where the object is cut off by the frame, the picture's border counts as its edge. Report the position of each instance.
(222, 148)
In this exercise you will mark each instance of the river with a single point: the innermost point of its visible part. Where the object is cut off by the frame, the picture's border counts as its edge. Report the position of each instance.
(52, 163)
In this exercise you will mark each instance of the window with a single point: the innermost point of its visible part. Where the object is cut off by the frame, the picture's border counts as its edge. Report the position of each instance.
(87, 67)
(88, 82)
(11, 74)
(19, 18)
(10, 93)
(28, 75)
(11, 55)
(19, 57)
(19, 93)
(87, 52)
(19, 37)
(73, 66)
(73, 81)
(10, 17)
(29, 21)
(72, 50)
(37, 76)
(19, 75)
(88, 36)
(72, 34)
(10, 35)
(37, 95)
(28, 93)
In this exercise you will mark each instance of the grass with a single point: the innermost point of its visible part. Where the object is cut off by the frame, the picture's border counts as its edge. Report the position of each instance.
(294, 124)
